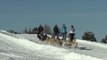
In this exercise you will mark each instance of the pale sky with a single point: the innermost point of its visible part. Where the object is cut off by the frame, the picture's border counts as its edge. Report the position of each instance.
(85, 15)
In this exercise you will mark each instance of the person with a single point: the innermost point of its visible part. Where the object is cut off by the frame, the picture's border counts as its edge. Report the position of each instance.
(43, 37)
(56, 32)
(72, 33)
(64, 32)
(40, 31)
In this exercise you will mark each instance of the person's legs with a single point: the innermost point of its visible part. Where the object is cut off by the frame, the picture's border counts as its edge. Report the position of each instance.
(57, 35)
(71, 36)
(64, 36)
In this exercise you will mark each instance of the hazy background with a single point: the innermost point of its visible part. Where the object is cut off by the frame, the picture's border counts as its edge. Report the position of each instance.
(85, 15)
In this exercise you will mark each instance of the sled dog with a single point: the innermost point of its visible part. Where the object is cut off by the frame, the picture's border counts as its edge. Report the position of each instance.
(72, 44)
(64, 43)
(52, 41)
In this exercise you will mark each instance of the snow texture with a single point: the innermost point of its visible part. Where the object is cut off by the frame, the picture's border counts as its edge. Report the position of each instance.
(29, 47)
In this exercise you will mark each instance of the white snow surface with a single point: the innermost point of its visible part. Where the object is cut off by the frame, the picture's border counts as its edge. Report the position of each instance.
(29, 47)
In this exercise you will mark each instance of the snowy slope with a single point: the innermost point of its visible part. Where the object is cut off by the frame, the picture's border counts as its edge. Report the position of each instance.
(28, 47)
(94, 49)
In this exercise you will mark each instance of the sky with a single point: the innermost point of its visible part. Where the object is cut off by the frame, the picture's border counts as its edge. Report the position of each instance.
(85, 15)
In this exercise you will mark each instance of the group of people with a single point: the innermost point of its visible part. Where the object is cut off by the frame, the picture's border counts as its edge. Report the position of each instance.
(57, 31)
(64, 32)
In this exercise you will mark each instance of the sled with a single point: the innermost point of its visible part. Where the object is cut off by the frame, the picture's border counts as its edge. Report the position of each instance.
(62, 43)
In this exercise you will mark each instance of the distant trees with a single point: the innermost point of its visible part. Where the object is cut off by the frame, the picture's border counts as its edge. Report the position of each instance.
(104, 40)
(30, 31)
(47, 29)
(12, 31)
(89, 36)
(25, 31)
(34, 30)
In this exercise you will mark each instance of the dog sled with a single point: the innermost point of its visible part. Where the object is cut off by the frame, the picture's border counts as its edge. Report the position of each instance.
(55, 41)
(62, 43)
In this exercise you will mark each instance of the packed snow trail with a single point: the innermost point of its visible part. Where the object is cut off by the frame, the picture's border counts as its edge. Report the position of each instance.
(12, 48)
(94, 49)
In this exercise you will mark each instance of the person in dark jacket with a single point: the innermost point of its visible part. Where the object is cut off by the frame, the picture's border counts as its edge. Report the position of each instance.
(56, 31)
(40, 31)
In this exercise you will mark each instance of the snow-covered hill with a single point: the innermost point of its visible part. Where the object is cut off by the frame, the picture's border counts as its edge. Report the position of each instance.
(28, 47)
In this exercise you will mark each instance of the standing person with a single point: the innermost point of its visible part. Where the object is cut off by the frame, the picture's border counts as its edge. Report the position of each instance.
(72, 33)
(64, 32)
(56, 31)
(40, 31)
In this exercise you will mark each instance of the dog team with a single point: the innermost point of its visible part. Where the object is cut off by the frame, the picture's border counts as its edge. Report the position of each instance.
(55, 39)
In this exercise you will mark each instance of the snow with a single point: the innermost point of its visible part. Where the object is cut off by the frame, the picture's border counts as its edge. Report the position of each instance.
(29, 47)
(93, 43)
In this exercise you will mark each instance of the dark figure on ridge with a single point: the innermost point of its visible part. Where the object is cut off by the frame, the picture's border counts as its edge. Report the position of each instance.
(56, 32)
(40, 31)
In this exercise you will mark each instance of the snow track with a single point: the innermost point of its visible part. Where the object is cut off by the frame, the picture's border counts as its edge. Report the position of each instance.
(28, 47)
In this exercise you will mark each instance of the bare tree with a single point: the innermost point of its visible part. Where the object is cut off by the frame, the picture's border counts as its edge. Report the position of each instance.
(104, 40)
(12, 31)
(30, 31)
(25, 31)
(35, 30)
(47, 29)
